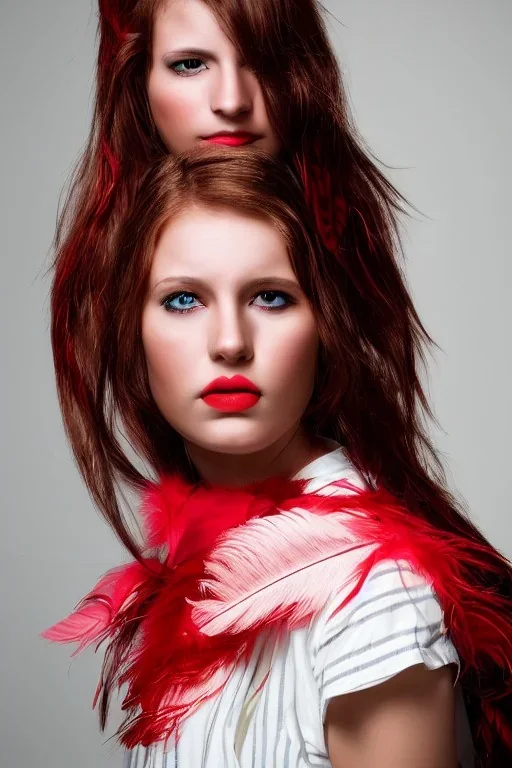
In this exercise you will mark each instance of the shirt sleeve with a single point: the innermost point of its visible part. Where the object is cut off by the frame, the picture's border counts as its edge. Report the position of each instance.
(394, 622)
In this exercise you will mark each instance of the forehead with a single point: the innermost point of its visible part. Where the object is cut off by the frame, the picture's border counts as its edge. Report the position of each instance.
(182, 23)
(222, 245)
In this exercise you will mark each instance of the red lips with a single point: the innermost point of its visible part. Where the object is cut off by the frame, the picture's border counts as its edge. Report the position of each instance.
(232, 138)
(235, 383)
(231, 395)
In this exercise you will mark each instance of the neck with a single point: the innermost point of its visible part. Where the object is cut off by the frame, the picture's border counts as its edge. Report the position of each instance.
(285, 457)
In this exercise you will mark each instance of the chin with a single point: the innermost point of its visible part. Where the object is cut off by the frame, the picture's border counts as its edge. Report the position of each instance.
(235, 438)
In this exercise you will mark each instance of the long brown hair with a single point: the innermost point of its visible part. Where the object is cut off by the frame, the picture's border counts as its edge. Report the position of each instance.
(119, 429)
(382, 416)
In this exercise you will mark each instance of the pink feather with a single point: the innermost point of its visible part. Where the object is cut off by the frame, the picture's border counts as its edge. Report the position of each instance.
(271, 568)
(96, 612)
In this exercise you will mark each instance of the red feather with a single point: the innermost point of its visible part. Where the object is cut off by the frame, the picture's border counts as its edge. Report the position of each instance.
(97, 611)
(177, 628)
(175, 667)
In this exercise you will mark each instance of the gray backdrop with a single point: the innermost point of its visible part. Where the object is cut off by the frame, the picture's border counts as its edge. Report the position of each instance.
(430, 87)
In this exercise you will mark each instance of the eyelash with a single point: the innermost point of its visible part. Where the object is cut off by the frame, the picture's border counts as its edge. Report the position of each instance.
(281, 294)
(173, 65)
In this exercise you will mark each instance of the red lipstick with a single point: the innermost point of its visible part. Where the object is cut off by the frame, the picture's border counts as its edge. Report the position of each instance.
(231, 395)
(232, 138)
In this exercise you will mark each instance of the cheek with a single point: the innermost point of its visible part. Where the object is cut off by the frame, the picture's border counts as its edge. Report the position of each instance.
(174, 112)
(169, 357)
(294, 353)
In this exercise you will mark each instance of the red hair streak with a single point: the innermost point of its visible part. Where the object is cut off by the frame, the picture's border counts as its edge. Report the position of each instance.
(329, 210)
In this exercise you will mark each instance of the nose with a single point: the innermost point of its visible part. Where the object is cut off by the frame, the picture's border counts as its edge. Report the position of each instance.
(230, 337)
(232, 93)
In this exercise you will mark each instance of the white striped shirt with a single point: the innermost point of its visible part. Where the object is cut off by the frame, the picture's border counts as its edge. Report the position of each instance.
(394, 622)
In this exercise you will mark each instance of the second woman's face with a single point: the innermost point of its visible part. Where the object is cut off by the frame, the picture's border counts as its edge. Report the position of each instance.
(198, 88)
(229, 337)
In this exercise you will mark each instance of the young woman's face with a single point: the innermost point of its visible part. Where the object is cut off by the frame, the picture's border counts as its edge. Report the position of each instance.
(223, 302)
(198, 88)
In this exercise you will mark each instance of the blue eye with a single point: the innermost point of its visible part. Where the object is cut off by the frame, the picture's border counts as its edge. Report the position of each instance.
(184, 301)
(273, 300)
(187, 67)
(180, 302)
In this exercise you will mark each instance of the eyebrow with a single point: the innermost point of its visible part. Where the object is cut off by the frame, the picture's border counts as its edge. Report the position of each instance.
(261, 282)
(189, 53)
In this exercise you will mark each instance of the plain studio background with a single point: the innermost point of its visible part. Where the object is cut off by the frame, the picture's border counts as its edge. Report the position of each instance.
(430, 88)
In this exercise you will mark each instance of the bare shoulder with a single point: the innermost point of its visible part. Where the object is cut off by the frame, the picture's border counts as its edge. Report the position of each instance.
(406, 722)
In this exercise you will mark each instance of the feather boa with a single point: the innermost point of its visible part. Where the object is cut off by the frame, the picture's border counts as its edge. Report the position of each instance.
(234, 562)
